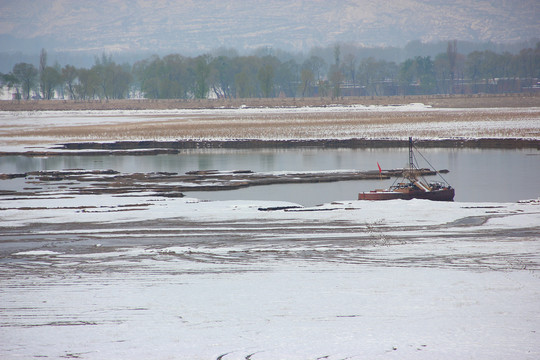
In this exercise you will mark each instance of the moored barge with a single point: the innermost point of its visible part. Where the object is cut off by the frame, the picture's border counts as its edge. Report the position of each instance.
(412, 186)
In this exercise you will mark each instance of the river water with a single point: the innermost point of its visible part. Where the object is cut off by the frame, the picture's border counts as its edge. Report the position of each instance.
(478, 175)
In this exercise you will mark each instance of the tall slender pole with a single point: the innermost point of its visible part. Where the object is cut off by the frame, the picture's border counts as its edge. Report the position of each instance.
(411, 164)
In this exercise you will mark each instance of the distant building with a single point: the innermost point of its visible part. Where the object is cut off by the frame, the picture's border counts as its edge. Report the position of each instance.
(8, 94)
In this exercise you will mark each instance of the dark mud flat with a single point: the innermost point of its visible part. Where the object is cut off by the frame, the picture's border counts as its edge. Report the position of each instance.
(149, 147)
(171, 146)
(73, 182)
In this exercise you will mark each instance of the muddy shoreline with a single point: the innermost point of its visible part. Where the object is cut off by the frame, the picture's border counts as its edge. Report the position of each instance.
(148, 147)
(84, 182)
(317, 143)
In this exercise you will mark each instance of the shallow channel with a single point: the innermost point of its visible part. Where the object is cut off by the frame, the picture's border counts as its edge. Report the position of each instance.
(478, 175)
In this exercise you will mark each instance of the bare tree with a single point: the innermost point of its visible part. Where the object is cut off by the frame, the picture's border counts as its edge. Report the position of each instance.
(50, 79)
(42, 74)
(69, 74)
(27, 75)
(337, 53)
(451, 52)
(350, 69)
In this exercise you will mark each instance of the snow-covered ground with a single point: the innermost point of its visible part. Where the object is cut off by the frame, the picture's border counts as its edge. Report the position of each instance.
(133, 277)
(23, 131)
(139, 276)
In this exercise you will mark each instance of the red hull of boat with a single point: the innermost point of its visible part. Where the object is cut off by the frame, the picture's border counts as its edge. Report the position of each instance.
(446, 194)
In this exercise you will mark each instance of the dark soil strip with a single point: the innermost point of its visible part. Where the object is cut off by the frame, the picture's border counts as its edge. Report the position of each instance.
(174, 147)
(149, 147)
(316, 143)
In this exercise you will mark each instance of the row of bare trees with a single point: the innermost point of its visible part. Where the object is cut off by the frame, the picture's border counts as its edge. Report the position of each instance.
(105, 79)
(231, 76)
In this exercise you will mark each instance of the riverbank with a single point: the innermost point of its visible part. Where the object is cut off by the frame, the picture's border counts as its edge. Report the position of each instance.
(146, 148)
(437, 101)
(145, 132)
(414, 279)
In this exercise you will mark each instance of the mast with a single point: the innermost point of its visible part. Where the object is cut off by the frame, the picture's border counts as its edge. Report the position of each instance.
(411, 161)
(411, 173)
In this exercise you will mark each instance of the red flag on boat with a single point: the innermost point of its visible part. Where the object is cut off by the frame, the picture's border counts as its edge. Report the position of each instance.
(379, 166)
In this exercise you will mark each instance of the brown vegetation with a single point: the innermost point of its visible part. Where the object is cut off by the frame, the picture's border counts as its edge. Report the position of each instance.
(277, 125)
(491, 121)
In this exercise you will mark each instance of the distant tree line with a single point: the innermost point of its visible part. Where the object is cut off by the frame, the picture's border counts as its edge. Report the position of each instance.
(264, 75)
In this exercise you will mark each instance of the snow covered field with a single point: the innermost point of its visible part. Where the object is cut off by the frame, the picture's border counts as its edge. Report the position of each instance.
(141, 276)
(97, 276)
(23, 131)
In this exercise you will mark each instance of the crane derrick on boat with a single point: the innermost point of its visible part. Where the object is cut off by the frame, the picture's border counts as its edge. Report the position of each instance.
(412, 185)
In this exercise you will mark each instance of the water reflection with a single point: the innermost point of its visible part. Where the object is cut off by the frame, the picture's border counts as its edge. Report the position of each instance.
(477, 174)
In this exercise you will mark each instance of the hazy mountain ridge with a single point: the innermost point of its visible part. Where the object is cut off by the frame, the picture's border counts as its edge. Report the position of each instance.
(192, 26)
